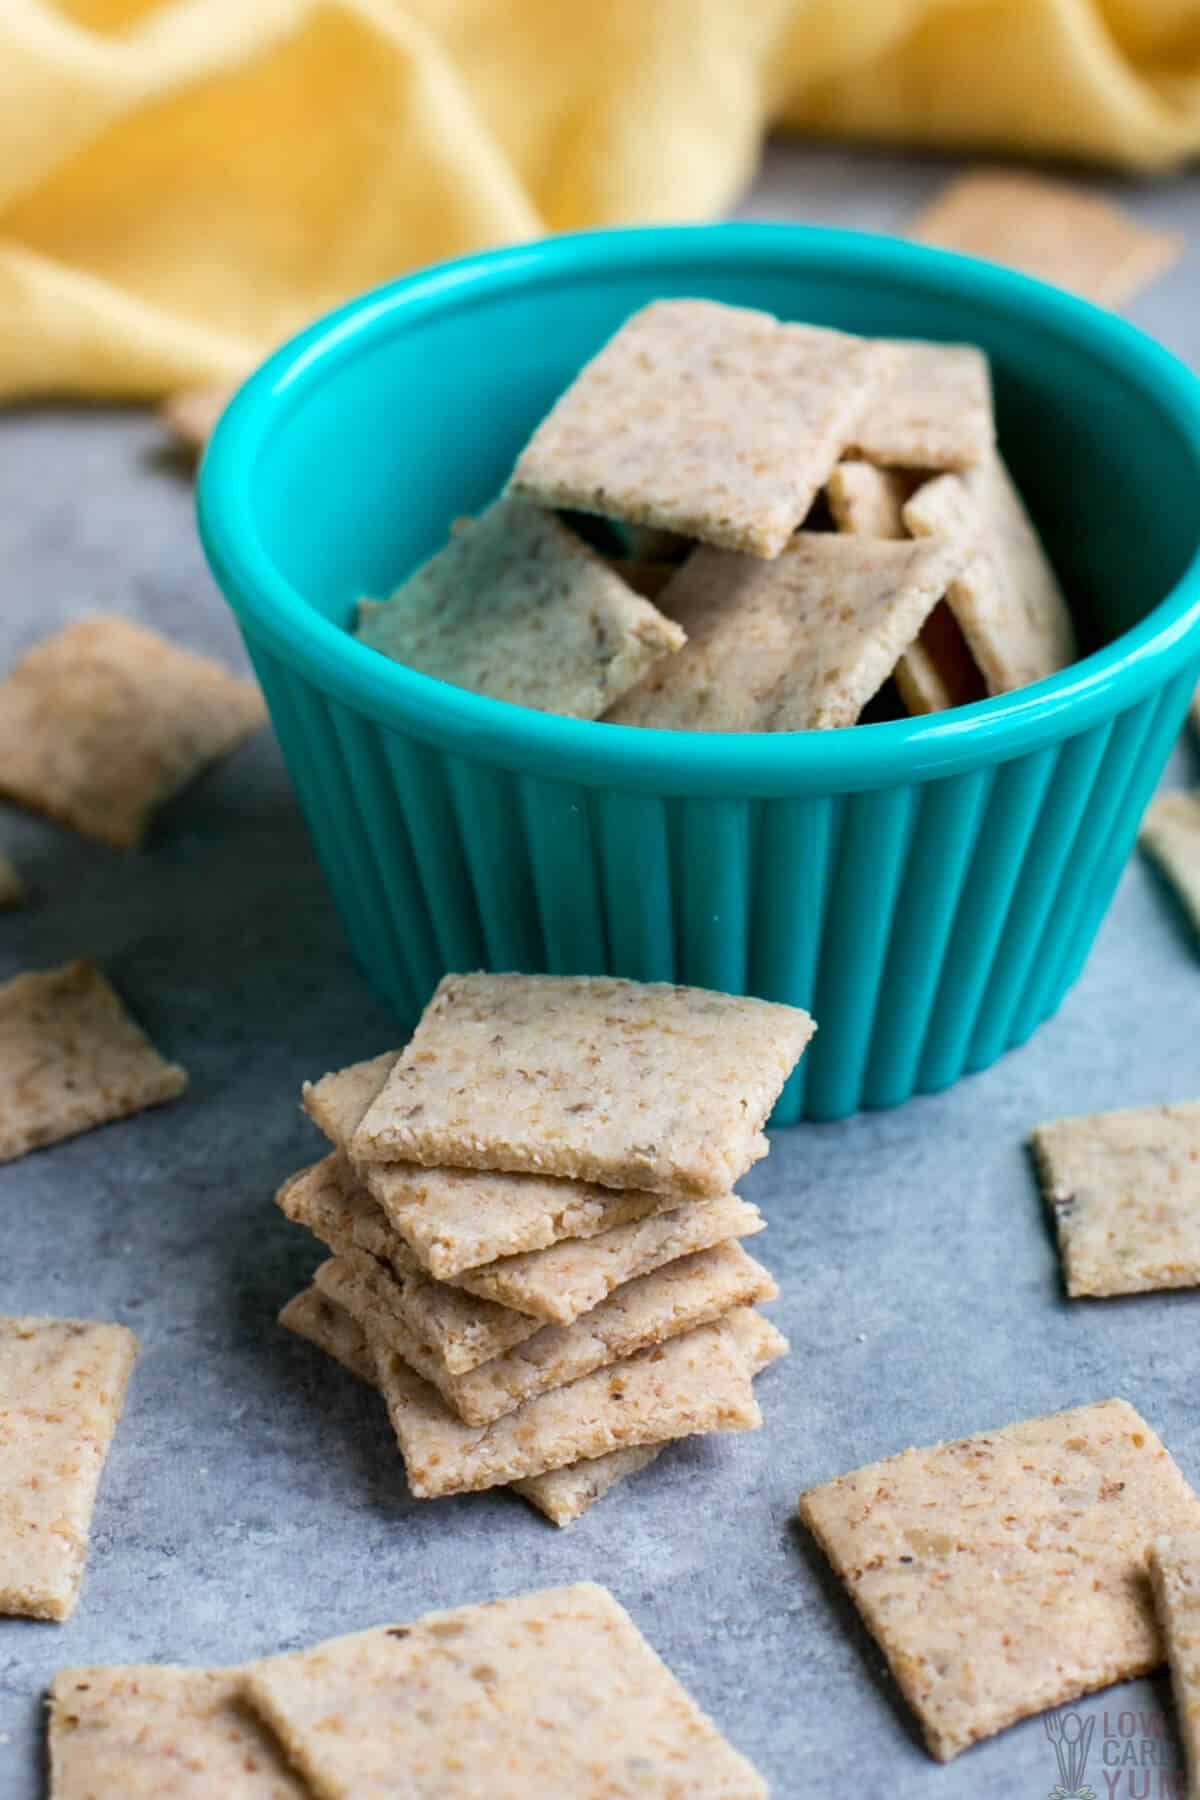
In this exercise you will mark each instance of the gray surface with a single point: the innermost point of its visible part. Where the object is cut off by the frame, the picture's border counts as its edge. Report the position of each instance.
(253, 1501)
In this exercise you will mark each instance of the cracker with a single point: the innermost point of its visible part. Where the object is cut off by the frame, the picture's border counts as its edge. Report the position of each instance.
(798, 644)
(62, 1388)
(532, 1698)
(691, 1291)
(105, 721)
(192, 413)
(1175, 1573)
(1171, 835)
(317, 1319)
(712, 421)
(937, 671)
(72, 1058)
(454, 1219)
(933, 412)
(626, 1084)
(1059, 232)
(1124, 1189)
(564, 1495)
(1006, 1573)
(145, 1733)
(1006, 599)
(12, 888)
(695, 1383)
(518, 607)
(465, 1331)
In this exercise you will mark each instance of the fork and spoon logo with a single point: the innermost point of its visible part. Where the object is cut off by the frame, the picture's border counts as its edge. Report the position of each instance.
(1072, 1739)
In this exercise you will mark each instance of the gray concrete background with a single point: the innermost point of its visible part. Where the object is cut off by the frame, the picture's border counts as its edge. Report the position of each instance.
(254, 1501)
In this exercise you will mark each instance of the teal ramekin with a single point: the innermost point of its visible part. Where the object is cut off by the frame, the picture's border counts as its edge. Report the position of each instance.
(929, 888)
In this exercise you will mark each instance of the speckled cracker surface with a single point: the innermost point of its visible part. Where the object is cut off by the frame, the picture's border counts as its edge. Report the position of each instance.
(62, 1388)
(1006, 599)
(518, 607)
(933, 412)
(1050, 229)
(1124, 1192)
(456, 1219)
(712, 421)
(695, 1383)
(568, 1279)
(464, 1330)
(1175, 1572)
(798, 644)
(161, 1733)
(1171, 835)
(937, 671)
(619, 1082)
(1006, 1573)
(71, 1058)
(691, 1291)
(317, 1319)
(105, 721)
(534, 1698)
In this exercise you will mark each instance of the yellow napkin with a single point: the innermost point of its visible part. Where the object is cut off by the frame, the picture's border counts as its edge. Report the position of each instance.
(183, 182)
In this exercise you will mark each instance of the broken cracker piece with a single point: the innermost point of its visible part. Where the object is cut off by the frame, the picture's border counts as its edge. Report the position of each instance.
(1171, 835)
(798, 644)
(1006, 598)
(192, 413)
(145, 1733)
(455, 1220)
(1124, 1190)
(105, 721)
(518, 607)
(1175, 1573)
(62, 1388)
(1006, 1573)
(629, 1084)
(712, 421)
(933, 412)
(695, 1383)
(72, 1058)
(531, 1698)
(1055, 230)
(691, 1291)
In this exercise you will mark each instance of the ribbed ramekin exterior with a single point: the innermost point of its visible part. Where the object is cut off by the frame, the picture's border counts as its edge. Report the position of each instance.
(929, 927)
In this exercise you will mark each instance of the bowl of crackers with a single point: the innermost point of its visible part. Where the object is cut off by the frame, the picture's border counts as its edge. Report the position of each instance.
(781, 611)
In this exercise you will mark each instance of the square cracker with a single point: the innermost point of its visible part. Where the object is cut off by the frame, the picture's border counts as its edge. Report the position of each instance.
(518, 607)
(712, 421)
(1124, 1189)
(71, 1058)
(320, 1321)
(933, 412)
(454, 1220)
(1006, 1573)
(937, 671)
(105, 721)
(545, 1694)
(1059, 232)
(464, 1330)
(695, 1383)
(691, 1291)
(1175, 1573)
(798, 644)
(1006, 599)
(155, 1731)
(1171, 835)
(628, 1084)
(62, 1388)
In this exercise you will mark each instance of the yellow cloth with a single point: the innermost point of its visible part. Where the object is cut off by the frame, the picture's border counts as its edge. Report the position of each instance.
(183, 182)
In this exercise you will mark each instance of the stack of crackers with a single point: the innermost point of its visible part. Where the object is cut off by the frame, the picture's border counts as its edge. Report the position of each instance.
(729, 523)
(535, 1229)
